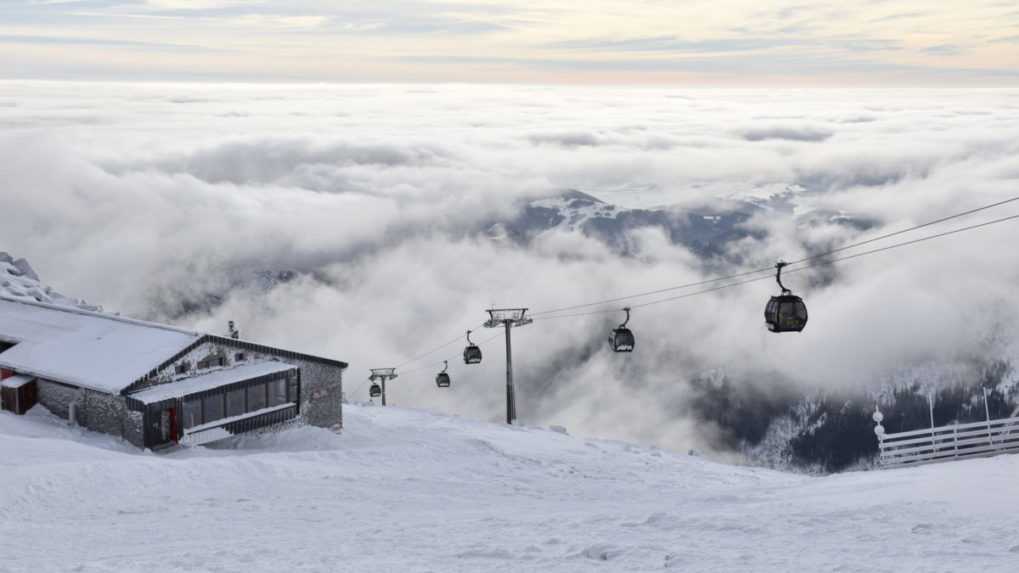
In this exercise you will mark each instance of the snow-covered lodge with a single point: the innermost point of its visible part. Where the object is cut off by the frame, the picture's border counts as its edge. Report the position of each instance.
(156, 385)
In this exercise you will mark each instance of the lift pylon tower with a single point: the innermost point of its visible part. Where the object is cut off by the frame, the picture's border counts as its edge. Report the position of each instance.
(383, 375)
(508, 318)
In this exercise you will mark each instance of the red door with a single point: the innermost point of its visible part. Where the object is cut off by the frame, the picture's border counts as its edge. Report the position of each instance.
(174, 433)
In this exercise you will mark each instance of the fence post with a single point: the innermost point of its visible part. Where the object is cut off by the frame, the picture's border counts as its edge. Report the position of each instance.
(987, 413)
(879, 431)
(930, 404)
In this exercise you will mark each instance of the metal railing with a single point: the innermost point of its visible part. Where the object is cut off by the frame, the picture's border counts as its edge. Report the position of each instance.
(238, 425)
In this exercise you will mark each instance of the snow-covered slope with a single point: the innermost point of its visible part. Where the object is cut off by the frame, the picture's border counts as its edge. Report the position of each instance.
(18, 280)
(408, 491)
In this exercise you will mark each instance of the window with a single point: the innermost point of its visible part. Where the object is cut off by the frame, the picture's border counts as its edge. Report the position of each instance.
(240, 357)
(212, 408)
(278, 392)
(192, 413)
(182, 367)
(293, 388)
(256, 397)
(212, 360)
(164, 425)
(235, 402)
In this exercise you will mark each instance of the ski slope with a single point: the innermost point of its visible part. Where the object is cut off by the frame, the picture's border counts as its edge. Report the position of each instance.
(408, 491)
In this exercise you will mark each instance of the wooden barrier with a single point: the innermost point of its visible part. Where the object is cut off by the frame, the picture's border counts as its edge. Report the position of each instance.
(942, 443)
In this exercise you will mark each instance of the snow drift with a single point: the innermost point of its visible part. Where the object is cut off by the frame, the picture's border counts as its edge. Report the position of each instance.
(403, 490)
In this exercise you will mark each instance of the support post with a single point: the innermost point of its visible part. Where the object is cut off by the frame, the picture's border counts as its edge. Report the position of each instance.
(383, 391)
(987, 414)
(508, 318)
(511, 400)
(879, 430)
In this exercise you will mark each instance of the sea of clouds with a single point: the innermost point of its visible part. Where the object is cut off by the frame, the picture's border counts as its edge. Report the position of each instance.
(144, 197)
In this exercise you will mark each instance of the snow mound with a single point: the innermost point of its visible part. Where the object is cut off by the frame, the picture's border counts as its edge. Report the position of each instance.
(403, 490)
(19, 281)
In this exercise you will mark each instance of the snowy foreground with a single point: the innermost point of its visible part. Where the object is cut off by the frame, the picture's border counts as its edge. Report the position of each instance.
(403, 490)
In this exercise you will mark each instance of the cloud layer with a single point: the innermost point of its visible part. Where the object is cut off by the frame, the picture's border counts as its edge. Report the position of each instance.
(139, 197)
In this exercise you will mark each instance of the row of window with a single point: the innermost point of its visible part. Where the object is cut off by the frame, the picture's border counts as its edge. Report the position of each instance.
(211, 361)
(198, 411)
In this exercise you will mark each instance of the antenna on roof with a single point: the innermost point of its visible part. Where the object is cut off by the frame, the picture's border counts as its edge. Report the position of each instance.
(234, 333)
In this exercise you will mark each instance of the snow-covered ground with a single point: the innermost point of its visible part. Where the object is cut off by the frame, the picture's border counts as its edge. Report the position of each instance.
(403, 490)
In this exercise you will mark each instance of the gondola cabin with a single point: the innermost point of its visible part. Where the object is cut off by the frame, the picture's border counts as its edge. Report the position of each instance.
(786, 313)
(375, 390)
(442, 378)
(623, 340)
(472, 353)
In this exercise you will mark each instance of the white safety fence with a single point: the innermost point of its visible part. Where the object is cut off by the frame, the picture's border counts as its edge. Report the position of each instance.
(957, 441)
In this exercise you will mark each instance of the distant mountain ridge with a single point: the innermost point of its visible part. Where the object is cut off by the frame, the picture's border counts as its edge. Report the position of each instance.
(705, 231)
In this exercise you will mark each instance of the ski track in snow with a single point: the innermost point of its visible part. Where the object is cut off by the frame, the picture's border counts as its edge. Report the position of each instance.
(402, 490)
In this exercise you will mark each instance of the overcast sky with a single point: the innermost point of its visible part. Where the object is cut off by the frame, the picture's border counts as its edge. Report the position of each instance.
(690, 42)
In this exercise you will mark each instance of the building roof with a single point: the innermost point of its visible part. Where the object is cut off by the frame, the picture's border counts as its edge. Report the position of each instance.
(84, 348)
(16, 381)
(95, 350)
(211, 381)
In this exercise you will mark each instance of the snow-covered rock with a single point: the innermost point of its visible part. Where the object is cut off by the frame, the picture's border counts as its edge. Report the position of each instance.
(19, 281)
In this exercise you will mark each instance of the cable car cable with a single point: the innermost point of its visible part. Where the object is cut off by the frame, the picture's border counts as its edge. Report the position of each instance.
(436, 349)
(770, 269)
(813, 263)
(819, 257)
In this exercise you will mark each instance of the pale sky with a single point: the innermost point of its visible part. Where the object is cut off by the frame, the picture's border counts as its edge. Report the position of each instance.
(687, 42)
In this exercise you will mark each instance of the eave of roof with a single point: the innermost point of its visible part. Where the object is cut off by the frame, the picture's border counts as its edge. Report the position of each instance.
(211, 381)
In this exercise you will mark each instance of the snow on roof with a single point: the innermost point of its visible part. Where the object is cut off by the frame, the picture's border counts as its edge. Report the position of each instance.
(210, 381)
(88, 349)
(16, 381)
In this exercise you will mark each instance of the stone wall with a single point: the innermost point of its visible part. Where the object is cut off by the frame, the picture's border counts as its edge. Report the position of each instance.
(321, 393)
(133, 430)
(95, 411)
(57, 398)
(103, 413)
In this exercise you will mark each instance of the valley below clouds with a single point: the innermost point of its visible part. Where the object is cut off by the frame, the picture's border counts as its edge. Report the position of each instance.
(372, 223)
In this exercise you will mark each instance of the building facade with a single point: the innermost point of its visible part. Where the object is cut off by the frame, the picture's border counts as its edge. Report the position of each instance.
(156, 385)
